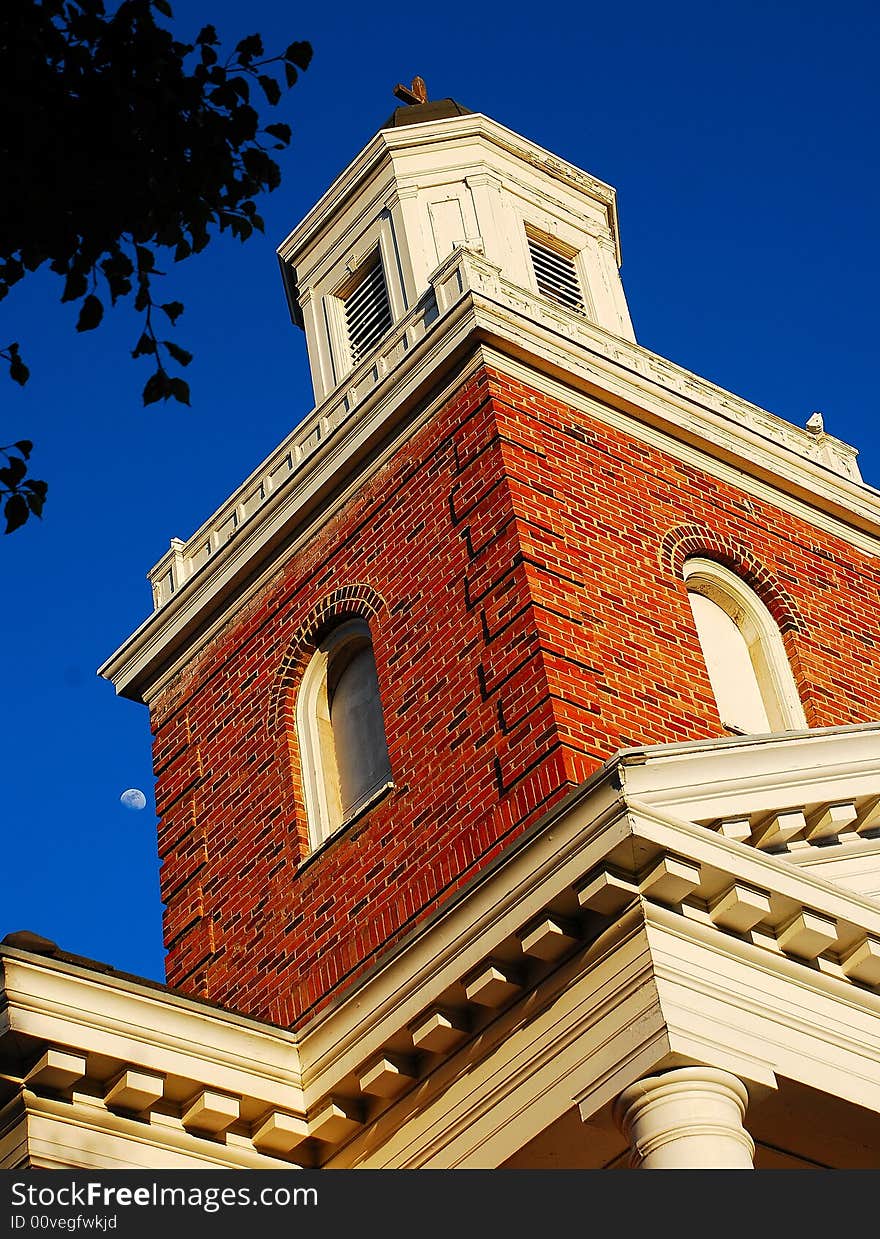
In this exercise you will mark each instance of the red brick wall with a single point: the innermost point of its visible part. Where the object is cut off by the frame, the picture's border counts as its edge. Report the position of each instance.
(519, 563)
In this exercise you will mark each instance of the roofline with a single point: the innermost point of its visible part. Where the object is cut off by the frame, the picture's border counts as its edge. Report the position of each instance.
(387, 141)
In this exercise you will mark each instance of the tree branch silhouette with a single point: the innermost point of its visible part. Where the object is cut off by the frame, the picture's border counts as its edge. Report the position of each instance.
(146, 148)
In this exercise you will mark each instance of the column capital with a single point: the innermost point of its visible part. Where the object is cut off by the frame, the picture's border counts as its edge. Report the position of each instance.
(687, 1118)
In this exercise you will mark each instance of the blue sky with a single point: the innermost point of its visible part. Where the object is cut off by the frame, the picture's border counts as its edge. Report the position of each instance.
(742, 140)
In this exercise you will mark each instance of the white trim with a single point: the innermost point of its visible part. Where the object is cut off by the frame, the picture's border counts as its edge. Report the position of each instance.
(763, 639)
(538, 240)
(320, 782)
(654, 984)
(389, 142)
(559, 353)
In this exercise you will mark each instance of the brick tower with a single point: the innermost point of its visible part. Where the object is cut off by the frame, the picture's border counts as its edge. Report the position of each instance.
(508, 554)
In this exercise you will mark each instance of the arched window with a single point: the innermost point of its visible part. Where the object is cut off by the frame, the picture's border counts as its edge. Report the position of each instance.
(748, 667)
(341, 730)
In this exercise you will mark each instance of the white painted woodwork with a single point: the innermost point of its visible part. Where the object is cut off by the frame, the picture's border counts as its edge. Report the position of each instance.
(135, 1090)
(862, 963)
(385, 1077)
(745, 656)
(280, 1133)
(417, 192)
(833, 819)
(57, 1069)
(735, 828)
(334, 1122)
(807, 935)
(731, 673)
(740, 908)
(548, 939)
(492, 986)
(670, 880)
(687, 1119)
(607, 893)
(438, 1032)
(779, 828)
(211, 1112)
(794, 998)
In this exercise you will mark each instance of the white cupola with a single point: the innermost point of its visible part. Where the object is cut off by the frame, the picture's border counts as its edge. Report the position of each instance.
(434, 177)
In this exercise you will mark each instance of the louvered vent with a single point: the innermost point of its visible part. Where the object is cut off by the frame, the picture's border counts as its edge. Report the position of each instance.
(367, 312)
(556, 275)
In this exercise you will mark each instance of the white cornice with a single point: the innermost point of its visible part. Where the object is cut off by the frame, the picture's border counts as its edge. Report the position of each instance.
(755, 773)
(388, 142)
(337, 445)
(75, 1133)
(648, 979)
(51, 1001)
(602, 819)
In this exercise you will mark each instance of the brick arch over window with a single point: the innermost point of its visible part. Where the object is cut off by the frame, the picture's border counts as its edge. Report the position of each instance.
(350, 601)
(685, 541)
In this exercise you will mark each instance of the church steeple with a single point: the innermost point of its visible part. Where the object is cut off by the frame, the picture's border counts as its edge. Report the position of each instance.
(437, 177)
(502, 717)
(507, 543)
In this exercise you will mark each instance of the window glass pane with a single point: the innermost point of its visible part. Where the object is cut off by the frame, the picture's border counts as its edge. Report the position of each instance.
(359, 732)
(731, 672)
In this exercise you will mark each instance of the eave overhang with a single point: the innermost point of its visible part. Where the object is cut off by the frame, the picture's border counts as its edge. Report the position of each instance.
(650, 920)
(381, 149)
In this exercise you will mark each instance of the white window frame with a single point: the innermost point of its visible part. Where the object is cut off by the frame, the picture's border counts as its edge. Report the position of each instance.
(563, 249)
(761, 634)
(348, 288)
(376, 245)
(320, 790)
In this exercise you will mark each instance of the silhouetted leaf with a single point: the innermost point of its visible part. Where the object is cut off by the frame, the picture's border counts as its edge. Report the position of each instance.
(180, 355)
(249, 47)
(224, 96)
(11, 474)
(271, 89)
(119, 287)
(280, 131)
(35, 501)
(173, 309)
(11, 271)
(154, 146)
(25, 447)
(16, 512)
(90, 315)
(76, 285)
(146, 344)
(18, 371)
(300, 53)
(179, 389)
(146, 259)
(156, 388)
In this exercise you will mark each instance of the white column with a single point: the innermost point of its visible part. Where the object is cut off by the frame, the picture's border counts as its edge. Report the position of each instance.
(687, 1119)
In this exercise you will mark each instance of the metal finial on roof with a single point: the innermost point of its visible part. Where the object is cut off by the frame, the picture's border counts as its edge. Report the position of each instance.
(417, 92)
